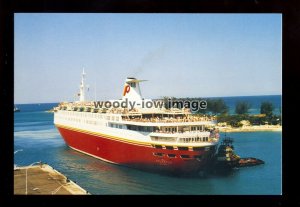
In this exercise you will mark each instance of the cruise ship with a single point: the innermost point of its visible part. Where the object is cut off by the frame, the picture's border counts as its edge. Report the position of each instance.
(157, 138)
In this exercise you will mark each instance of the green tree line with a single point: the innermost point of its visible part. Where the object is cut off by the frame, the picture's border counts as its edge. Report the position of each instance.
(218, 107)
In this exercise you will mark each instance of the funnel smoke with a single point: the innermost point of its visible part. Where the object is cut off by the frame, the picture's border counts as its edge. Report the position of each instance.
(150, 58)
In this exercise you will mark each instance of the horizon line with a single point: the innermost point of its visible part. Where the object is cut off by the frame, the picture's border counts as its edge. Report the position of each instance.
(160, 98)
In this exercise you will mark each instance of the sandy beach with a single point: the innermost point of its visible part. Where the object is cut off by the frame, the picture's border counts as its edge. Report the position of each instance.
(251, 128)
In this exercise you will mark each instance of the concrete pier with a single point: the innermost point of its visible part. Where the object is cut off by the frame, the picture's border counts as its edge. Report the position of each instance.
(42, 179)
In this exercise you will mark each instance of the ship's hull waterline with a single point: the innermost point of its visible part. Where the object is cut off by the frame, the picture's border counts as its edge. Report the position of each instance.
(144, 156)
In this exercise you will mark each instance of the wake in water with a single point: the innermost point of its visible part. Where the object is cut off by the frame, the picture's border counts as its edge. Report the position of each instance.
(41, 134)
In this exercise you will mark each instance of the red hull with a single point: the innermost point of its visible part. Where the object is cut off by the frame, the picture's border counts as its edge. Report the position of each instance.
(137, 155)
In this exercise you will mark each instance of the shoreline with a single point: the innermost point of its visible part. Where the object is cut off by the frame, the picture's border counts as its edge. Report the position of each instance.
(259, 128)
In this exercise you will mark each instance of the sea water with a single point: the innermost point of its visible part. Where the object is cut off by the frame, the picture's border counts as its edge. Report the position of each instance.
(36, 135)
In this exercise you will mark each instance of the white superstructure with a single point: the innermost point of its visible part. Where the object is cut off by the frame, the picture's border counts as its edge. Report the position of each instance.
(151, 125)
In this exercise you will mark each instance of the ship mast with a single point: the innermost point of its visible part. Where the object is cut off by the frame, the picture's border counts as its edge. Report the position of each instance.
(82, 87)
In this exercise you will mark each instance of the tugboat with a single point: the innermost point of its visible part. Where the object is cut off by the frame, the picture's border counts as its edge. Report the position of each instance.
(226, 157)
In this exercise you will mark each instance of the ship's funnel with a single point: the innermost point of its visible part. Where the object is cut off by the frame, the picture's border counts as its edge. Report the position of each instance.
(132, 89)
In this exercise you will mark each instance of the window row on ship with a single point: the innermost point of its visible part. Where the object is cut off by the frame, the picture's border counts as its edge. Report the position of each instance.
(80, 118)
(133, 127)
(180, 129)
(91, 115)
(181, 140)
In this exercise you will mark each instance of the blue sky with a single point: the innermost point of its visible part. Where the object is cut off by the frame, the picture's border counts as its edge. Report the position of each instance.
(182, 55)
